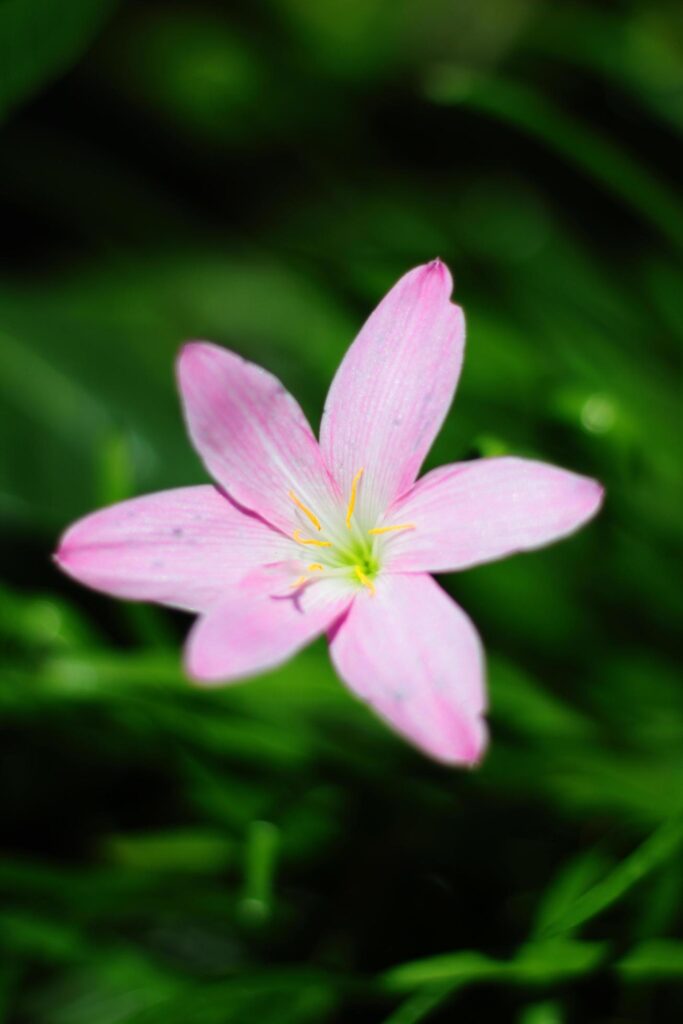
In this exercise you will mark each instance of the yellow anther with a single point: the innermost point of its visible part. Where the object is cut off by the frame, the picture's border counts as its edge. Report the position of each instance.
(306, 511)
(299, 582)
(364, 579)
(390, 529)
(311, 540)
(315, 567)
(352, 499)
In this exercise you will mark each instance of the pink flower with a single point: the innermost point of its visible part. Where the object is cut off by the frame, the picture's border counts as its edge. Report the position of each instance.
(300, 538)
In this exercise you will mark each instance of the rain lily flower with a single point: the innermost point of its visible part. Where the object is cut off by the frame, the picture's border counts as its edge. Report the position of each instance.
(299, 537)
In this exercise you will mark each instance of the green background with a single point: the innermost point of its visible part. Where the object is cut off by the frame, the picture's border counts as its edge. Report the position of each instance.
(259, 175)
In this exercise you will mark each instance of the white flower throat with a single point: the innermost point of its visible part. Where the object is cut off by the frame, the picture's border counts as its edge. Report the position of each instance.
(344, 548)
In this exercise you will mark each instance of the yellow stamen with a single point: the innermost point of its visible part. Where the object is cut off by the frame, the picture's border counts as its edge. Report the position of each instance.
(390, 529)
(364, 579)
(306, 511)
(311, 540)
(300, 581)
(352, 499)
(315, 566)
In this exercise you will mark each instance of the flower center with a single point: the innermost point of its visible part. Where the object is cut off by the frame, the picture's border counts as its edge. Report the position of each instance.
(343, 548)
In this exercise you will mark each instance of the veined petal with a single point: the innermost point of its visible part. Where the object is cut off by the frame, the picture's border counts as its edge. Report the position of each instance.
(473, 512)
(394, 387)
(258, 626)
(251, 434)
(415, 657)
(182, 548)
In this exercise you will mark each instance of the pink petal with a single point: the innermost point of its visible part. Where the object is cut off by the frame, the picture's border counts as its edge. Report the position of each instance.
(415, 657)
(394, 387)
(251, 434)
(182, 548)
(475, 512)
(258, 626)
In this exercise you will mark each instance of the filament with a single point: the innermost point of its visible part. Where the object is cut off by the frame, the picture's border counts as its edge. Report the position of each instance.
(306, 511)
(352, 499)
(391, 529)
(311, 540)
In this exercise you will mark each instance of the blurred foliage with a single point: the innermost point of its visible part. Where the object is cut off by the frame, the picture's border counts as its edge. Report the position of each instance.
(259, 175)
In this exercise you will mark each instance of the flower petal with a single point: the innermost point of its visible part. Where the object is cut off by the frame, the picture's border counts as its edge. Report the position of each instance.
(394, 387)
(251, 434)
(474, 512)
(258, 626)
(415, 657)
(181, 548)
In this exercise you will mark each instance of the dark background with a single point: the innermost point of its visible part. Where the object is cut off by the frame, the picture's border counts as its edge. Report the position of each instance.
(259, 175)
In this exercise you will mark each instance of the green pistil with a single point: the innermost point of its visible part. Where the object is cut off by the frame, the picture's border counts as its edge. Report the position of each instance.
(359, 552)
(368, 565)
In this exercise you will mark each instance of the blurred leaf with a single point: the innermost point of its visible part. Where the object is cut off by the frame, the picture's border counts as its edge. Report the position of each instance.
(419, 1006)
(351, 38)
(523, 704)
(662, 845)
(640, 53)
(40, 938)
(659, 958)
(40, 39)
(457, 968)
(41, 624)
(90, 366)
(542, 1013)
(567, 888)
(536, 963)
(622, 174)
(263, 840)
(195, 69)
(191, 850)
